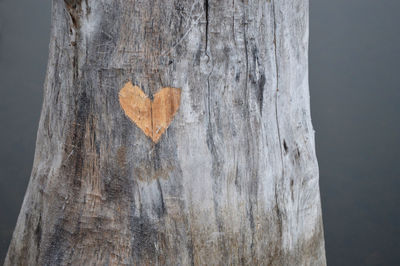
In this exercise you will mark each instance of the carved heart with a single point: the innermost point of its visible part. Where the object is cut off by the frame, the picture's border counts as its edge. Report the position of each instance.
(151, 117)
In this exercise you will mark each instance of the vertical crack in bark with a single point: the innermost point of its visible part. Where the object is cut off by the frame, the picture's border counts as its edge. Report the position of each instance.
(251, 216)
(206, 7)
(278, 211)
(247, 56)
(216, 171)
(162, 209)
(233, 22)
(74, 9)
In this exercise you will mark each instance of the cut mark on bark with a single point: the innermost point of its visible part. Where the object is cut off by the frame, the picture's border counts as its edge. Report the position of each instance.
(152, 117)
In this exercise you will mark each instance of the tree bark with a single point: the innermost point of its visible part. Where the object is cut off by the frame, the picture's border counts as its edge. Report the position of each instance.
(231, 178)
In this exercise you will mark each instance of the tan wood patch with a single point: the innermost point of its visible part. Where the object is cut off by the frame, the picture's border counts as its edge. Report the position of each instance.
(152, 117)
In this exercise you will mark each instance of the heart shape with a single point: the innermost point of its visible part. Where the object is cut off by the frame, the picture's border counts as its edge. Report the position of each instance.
(152, 117)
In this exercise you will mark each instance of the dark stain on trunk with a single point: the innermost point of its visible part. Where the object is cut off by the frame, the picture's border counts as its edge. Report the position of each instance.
(74, 8)
(146, 236)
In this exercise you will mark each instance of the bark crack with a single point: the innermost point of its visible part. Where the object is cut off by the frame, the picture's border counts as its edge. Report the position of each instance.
(247, 57)
(247, 96)
(162, 209)
(233, 21)
(206, 7)
(278, 211)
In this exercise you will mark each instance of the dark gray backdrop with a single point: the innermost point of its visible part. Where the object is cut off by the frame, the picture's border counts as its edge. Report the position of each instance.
(355, 89)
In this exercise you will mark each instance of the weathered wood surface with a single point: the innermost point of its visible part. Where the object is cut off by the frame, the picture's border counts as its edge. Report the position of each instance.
(234, 178)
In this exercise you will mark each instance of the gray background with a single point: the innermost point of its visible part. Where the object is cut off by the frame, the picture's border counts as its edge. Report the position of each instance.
(355, 89)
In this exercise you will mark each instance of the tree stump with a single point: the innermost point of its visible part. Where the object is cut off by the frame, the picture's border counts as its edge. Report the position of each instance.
(174, 132)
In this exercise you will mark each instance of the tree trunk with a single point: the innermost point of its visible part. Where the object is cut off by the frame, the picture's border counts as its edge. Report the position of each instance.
(174, 132)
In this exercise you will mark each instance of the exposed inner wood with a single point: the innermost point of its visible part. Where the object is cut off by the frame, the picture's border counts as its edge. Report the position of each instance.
(151, 117)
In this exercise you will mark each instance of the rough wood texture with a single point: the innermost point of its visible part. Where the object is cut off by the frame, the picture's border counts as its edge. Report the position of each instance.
(234, 178)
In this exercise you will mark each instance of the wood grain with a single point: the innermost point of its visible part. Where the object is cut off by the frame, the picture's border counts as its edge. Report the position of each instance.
(153, 117)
